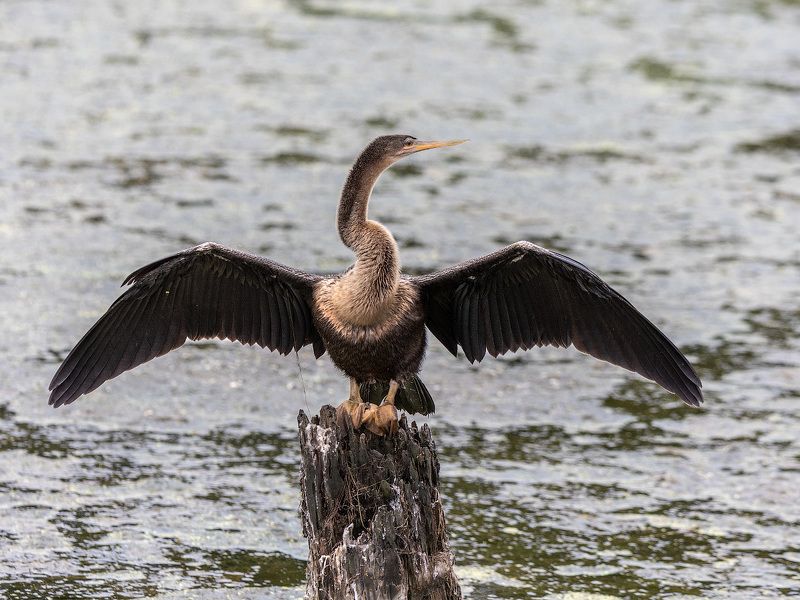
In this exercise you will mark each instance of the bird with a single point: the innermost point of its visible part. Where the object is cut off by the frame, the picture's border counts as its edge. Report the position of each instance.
(372, 319)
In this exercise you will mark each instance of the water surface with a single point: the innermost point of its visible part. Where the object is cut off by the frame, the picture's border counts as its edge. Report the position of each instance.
(655, 141)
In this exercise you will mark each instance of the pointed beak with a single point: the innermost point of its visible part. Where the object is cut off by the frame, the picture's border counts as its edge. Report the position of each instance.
(423, 145)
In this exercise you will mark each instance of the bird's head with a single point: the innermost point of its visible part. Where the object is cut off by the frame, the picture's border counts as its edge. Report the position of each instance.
(388, 149)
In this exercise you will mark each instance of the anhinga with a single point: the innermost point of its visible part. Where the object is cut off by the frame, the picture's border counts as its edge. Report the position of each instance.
(371, 319)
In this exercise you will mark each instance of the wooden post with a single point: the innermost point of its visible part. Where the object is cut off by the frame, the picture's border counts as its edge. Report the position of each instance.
(372, 514)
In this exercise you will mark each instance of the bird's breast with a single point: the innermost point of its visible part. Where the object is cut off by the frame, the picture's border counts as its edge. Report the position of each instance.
(341, 312)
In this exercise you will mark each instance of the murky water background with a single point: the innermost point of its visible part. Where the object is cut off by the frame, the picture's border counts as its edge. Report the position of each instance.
(658, 142)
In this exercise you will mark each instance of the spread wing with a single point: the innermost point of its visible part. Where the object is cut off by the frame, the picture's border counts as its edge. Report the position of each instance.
(524, 296)
(204, 292)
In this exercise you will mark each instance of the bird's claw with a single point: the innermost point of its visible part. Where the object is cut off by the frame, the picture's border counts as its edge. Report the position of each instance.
(353, 410)
(381, 420)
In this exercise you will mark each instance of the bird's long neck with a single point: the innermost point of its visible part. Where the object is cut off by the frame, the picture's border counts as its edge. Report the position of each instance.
(374, 278)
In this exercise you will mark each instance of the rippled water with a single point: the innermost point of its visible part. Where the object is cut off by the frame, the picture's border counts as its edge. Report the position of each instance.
(658, 142)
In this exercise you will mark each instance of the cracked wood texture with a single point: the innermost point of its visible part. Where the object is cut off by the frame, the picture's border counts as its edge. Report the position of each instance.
(372, 513)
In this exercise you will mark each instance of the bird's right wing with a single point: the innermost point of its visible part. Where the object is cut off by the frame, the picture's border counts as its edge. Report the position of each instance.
(524, 295)
(208, 291)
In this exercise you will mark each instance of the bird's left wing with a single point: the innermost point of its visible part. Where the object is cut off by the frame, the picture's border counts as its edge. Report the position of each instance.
(524, 295)
(204, 292)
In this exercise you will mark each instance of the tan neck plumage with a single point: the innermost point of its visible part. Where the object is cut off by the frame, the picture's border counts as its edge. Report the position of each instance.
(366, 293)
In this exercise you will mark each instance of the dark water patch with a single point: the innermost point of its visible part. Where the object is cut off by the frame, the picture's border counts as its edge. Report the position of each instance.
(759, 261)
(635, 251)
(162, 234)
(775, 144)
(51, 356)
(137, 174)
(60, 212)
(34, 440)
(723, 358)
(406, 170)
(80, 527)
(505, 31)
(7, 536)
(43, 43)
(786, 195)
(39, 163)
(661, 71)
(479, 447)
(292, 158)
(205, 32)
(113, 468)
(186, 240)
(766, 8)
(778, 327)
(712, 242)
(228, 495)
(537, 547)
(410, 242)
(393, 220)
(456, 178)
(121, 59)
(522, 358)
(134, 172)
(213, 569)
(539, 153)
(259, 78)
(635, 437)
(647, 402)
(342, 10)
(469, 113)
(297, 131)
(775, 86)
(95, 219)
(382, 122)
(194, 203)
(271, 452)
(6, 414)
(280, 226)
(656, 70)
(31, 586)
(211, 175)
(535, 152)
(767, 177)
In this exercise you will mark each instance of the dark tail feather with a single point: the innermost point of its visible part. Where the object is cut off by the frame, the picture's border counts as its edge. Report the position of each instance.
(412, 397)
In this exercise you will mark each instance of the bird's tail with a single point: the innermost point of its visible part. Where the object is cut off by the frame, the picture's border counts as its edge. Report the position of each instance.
(412, 397)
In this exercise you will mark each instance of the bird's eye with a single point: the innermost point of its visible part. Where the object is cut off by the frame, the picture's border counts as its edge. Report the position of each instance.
(409, 142)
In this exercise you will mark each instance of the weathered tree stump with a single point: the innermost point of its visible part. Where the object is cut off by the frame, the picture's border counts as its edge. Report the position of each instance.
(372, 514)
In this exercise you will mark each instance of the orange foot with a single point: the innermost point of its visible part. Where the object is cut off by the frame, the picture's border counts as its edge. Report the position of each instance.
(354, 410)
(381, 420)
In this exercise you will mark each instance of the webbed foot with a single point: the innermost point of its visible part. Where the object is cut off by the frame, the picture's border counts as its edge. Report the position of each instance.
(354, 408)
(381, 420)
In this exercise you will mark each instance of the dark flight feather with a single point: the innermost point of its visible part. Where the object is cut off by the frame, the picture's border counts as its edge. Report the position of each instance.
(204, 292)
(525, 295)
(412, 395)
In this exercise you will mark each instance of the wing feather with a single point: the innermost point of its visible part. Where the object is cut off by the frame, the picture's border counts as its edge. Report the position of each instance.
(524, 295)
(274, 319)
(208, 291)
